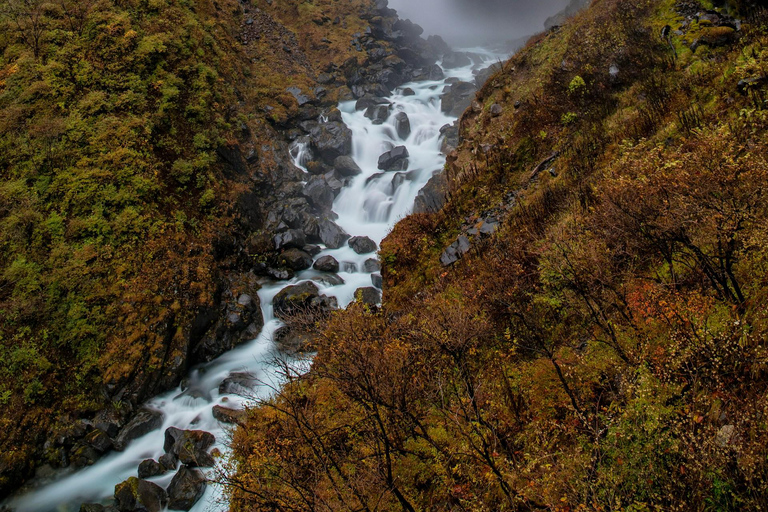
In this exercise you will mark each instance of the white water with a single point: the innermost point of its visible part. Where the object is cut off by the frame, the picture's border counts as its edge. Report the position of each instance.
(364, 209)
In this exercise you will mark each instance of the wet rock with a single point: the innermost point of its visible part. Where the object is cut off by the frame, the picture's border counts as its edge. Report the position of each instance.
(335, 181)
(135, 495)
(431, 198)
(186, 488)
(94, 507)
(296, 259)
(457, 98)
(431, 73)
(377, 281)
(378, 113)
(290, 238)
(453, 60)
(280, 274)
(312, 250)
(292, 341)
(395, 159)
(331, 234)
(149, 468)
(371, 265)
(83, 455)
(319, 193)
(293, 299)
(408, 92)
(227, 415)
(449, 135)
(326, 264)
(324, 304)
(331, 140)
(369, 100)
(402, 125)
(238, 383)
(346, 166)
(369, 295)
(99, 440)
(145, 421)
(109, 420)
(362, 244)
(168, 461)
(329, 280)
(190, 446)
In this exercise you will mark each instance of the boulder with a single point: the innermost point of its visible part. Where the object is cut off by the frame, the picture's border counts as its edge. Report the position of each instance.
(190, 446)
(431, 198)
(362, 244)
(329, 280)
(319, 193)
(292, 341)
(335, 181)
(346, 166)
(395, 159)
(368, 295)
(296, 259)
(496, 110)
(186, 488)
(408, 92)
(455, 251)
(292, 299)
(135, 495)
(378, 113)
(371, 265)
(433, 73)
(326, 264)
(301, 98)
(168, 461)
(331, 234)
(457, 98)
(149, 468)
(290, 238)
(331, 140)
(279, 274)
(402, 125)
(377, 281)
(145, 421)
(453, 60)
(238, 383)
(227, 415)
(449, 135)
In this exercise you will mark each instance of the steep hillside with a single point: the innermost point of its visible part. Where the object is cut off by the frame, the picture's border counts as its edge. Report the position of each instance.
(145, 174)
(583, 324)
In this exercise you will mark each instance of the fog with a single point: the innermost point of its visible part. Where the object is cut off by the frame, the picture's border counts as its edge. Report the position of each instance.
(471, 22)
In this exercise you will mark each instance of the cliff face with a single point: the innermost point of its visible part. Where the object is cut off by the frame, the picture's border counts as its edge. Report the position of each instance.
(582, 325)
(145, 178)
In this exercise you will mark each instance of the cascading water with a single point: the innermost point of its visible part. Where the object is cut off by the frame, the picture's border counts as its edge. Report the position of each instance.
(369, 206)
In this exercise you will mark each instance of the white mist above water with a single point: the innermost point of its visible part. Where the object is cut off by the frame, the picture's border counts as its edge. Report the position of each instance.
(369, 206)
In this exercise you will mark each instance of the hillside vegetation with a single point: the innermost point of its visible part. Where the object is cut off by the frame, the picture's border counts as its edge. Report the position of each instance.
(125, 194)
(605, 348)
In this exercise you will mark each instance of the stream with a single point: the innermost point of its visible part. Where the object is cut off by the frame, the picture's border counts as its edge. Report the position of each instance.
(370, 206)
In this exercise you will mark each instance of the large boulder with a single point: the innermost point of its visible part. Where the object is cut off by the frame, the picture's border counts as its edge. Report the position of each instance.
(369, 295)
(135, 495)
(319, 193)
(331, 234)
(149, 468)
(331, 140)
(402, 125)
(290, 340)
(431, 198)
(290, 238)
(238, 383)
(227, 415)
(186, 488)
(296, 259)
(395, 159)
(346, 166)
(452, 60)
(190, 446)
(326, 264)
(378, 113)
(457, 98)
(145, 421)
(293, 299)
(362, 244)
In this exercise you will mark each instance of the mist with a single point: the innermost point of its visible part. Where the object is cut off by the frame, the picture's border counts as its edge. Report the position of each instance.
(474, 22)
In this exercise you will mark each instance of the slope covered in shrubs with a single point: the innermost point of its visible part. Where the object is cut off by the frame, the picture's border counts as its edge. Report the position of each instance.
(605, 347)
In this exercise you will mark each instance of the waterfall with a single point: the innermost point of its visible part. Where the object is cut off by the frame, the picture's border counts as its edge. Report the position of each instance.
(369, 206)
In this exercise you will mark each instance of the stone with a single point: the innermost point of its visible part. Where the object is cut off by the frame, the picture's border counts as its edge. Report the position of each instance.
(290, 238)
(238, 383)
(326, 264)
(362, 244)
(377, 281)
(368, 295)
(227, 415)
(408, 92)
(296, 259)
(99, 440)
(457, 98)
(329, 279)
(378, 113)
(135, 495)
(190, 446)
(331, 234)
(145, 421)
(168, 461)
(331, 140)
(186, 488)
(292, 341)
(149, 468)
(432, 197)
(92, 507)
(496, 110)
(453, 60)
(395, 159)
(455, 251)
(312, 250)
(293, 299)
(301, 98)
(402, 125)
(346, 166)
(280, 274)
(319, 193)
(371, 265)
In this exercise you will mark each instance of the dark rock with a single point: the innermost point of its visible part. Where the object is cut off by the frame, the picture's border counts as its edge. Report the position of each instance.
(362, 244)
(186, 488)
(324, 304)
(327, 264)
(136, 495)
(371, 265)
(83, 455)
(408, 92)
(450, 138)
(431, 73)
(190, 446)
(238, 383)
(377, 281)
(99, 440)
(402, 125)
(318, 191)
(168, 461)
(301, 98)
(483, 75)
(290, 238)
(457, 98)
(280, 274)
(227, 415)
(149, 468)
(109, 420)
(92, 507)
(331, 140)
(144, 422)
(378, 113)
(496, 110)
(329, 279)
(312, 250)
(453, 60)
(296, 259)
(346, 166)
(368, 295)
(369, 100)
(431, 198)
(331, 234)
(292, 299)
(292, 341)
(455, 251)
(335, 181)
(395, 159)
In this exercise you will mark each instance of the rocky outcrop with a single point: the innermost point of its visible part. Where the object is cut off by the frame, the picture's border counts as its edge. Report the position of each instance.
(432, 197)
(186, 488)
(457, 98)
